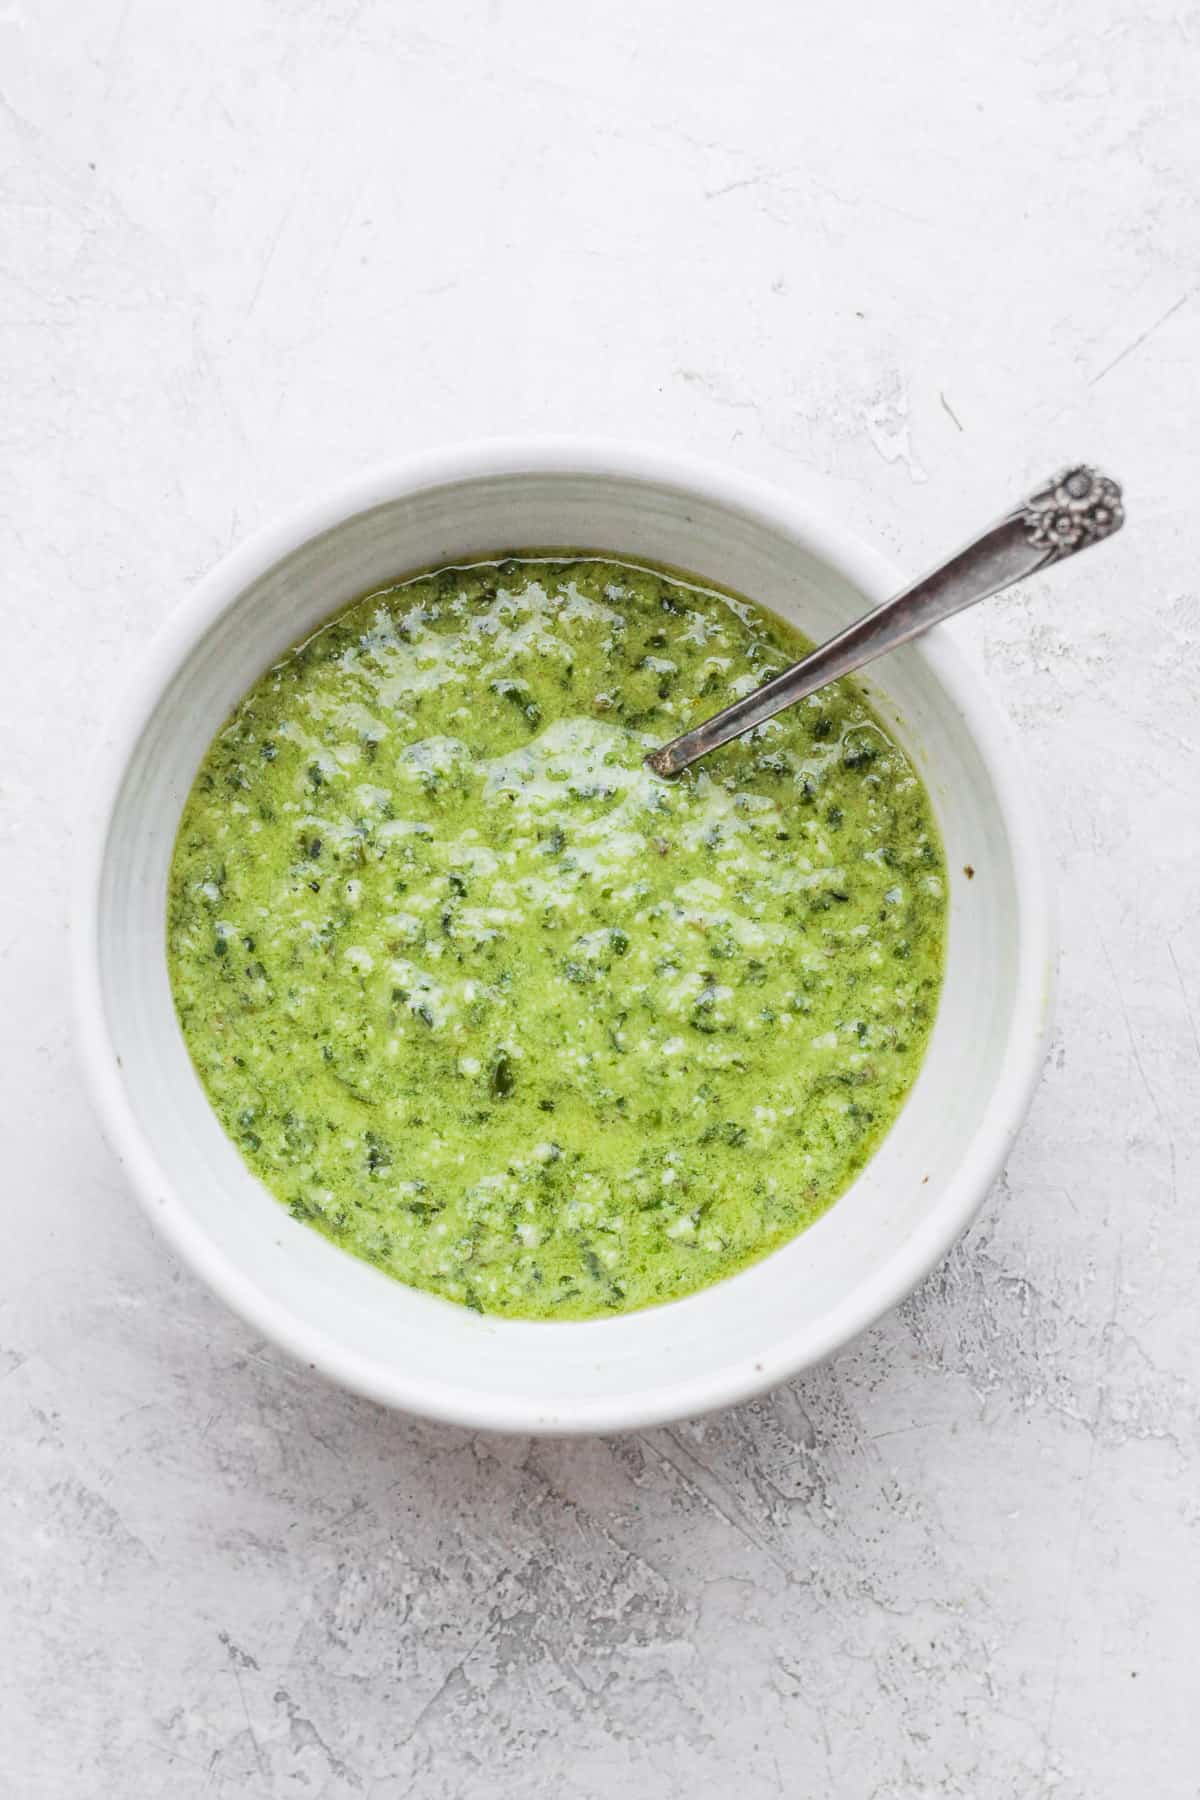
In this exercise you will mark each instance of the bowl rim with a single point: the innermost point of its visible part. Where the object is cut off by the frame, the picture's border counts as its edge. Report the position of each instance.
(800, 516)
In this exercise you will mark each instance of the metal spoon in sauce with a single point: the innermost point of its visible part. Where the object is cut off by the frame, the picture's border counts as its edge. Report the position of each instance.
(1078, 508)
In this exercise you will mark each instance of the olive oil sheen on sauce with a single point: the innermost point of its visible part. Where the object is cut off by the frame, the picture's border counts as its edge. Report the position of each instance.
(491, 1006)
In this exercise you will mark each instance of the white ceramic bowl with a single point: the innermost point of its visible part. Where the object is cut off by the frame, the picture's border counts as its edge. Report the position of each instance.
(408, 1349)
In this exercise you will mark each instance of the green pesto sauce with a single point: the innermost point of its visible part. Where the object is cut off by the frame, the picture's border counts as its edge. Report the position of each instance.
(498, 1010)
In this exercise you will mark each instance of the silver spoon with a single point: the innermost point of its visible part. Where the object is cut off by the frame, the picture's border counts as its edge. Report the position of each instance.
(1080, 507)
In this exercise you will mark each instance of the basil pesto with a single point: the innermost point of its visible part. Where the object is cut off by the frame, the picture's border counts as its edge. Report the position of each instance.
(492, 1006)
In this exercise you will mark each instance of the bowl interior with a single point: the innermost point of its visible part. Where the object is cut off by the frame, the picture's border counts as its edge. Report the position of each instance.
(423, 1353)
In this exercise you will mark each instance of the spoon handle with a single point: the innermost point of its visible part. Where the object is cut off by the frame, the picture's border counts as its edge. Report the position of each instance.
(1078, 508)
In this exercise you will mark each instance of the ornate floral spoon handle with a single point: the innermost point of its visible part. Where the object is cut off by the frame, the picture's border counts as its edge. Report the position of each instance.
(1080, 508)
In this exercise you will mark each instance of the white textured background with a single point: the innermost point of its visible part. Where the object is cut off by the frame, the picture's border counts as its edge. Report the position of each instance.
(913, 256)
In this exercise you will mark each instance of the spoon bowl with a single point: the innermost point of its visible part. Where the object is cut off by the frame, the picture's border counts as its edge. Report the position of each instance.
(340, 1316)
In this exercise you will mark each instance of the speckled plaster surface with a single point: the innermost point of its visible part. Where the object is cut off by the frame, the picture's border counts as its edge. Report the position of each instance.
(913, 256)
